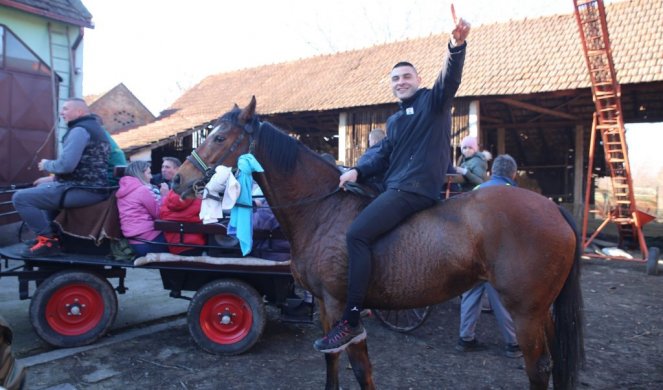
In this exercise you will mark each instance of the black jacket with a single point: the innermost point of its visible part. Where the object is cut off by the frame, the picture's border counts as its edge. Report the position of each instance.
(415, 154)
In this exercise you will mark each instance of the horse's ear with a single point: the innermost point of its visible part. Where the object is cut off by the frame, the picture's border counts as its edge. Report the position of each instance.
(235, 107)
(248, 111)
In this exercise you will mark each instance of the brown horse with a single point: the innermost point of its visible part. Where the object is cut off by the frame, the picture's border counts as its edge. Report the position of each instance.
(516, 239)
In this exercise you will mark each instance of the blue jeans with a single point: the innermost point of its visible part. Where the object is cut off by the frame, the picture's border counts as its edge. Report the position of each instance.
(470, 309)
(146, 247)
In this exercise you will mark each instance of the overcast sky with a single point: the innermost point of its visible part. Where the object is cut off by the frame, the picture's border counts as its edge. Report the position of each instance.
(158, 49)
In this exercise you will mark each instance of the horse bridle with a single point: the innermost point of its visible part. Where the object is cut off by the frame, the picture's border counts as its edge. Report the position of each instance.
(209, 170)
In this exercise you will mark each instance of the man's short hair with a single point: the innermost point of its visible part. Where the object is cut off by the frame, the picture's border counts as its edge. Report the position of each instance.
(505, 166)
(79, 103)
(77, 99)
(404, 63)
(174, 160)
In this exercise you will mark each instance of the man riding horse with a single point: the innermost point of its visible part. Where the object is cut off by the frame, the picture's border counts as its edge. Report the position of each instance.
(414, 158)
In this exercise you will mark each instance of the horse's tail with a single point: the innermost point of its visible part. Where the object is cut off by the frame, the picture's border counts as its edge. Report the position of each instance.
(568, 351)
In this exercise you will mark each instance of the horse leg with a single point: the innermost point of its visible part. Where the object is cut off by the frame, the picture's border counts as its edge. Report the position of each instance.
(331, 359)
(533, 333)
(361, 364)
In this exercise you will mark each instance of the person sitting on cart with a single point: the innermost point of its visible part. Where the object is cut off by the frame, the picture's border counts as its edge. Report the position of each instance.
(83, 161)
(139, 207)
(169, 168)
(174, 208)
(115, 158)
(264, 219)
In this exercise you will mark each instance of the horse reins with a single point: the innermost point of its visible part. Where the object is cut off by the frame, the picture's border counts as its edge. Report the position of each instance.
(298, 203)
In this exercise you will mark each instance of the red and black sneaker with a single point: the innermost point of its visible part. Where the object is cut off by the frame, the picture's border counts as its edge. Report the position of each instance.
(44, 247)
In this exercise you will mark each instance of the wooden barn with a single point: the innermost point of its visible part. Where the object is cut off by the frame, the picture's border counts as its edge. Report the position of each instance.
(525, 91)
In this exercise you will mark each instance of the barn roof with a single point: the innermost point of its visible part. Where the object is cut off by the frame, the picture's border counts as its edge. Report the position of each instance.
(517, 57)
(67, 11)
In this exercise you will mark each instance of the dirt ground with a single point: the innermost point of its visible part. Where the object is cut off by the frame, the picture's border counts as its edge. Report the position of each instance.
(624, 348)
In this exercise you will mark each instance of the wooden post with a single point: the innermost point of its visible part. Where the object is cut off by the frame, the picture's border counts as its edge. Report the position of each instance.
(474, 119)
(342, 139)
(578, 172)
(501, 141)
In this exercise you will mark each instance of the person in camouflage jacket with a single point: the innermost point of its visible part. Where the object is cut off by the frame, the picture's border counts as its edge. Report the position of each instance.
(83, 161)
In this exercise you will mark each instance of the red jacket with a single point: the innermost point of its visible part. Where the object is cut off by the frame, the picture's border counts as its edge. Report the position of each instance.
(183, 210)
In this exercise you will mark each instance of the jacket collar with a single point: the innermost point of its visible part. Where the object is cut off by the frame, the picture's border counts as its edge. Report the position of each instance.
(410, 101)
(73, 123)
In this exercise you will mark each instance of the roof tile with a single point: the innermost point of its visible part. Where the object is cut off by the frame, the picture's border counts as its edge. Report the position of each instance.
(517, 57)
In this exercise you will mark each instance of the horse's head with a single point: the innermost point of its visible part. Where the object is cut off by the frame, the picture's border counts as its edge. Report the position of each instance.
(231, 137)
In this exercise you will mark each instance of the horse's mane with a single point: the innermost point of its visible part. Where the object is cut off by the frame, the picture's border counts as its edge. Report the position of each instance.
(277, 147)
(273, 144)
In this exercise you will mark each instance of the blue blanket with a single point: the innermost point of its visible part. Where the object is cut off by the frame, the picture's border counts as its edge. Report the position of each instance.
(241, 224)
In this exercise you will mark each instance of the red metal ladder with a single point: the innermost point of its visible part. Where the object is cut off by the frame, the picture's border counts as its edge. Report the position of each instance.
(609, 124)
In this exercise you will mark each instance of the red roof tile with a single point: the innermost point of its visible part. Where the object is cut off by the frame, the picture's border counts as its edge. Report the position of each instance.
(516, 57)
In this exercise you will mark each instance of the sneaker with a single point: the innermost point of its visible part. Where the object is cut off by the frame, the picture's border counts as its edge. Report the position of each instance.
(468, 345)
(513, 351)
(45, 246)
(339, 337)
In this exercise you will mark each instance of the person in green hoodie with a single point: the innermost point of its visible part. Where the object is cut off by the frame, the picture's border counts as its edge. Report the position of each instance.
(116, 157)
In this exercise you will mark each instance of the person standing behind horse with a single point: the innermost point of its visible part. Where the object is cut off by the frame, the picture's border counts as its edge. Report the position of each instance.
(414, 158)
(472, 164)
(504, 173)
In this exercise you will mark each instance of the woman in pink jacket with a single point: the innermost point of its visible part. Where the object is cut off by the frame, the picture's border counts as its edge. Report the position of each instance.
(139, 206)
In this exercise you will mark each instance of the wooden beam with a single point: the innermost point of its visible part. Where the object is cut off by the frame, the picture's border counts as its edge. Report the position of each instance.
(492, 119)
(566, 103)
(532, 125)
(532, 107)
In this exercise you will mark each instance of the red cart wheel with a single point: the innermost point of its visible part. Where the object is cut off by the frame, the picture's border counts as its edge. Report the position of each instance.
(226, 317)
(73, 308)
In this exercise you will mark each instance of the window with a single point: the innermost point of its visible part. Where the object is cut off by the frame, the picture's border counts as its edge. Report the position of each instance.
(17, 56)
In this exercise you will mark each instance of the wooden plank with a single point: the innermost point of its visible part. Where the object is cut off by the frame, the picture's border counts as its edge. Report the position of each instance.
(535, 108)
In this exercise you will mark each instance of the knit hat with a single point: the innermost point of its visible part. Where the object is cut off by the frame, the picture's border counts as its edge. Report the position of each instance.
(470, 141)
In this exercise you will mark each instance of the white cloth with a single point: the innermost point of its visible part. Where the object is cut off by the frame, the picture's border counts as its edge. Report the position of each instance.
(223, 181)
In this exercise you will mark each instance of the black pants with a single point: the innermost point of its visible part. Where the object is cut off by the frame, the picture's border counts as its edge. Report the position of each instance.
(380, 216)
